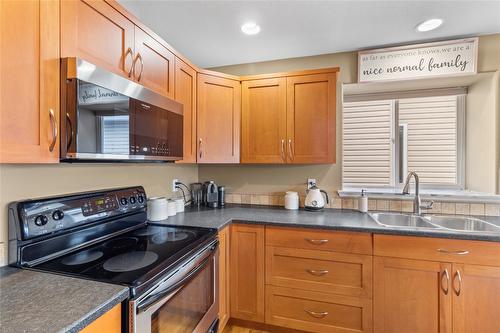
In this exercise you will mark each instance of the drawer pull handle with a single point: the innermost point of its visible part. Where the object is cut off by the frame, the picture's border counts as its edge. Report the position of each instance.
(317, 241)
(447, 275)
(317, 272)
(457, 252)
(315, 314)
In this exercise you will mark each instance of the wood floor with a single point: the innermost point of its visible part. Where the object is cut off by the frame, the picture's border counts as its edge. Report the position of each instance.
(232, 328)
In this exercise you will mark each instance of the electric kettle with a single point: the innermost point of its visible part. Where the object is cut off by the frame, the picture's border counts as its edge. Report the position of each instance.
(315, 199)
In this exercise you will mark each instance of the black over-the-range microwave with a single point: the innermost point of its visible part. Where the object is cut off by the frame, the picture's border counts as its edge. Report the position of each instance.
(106, 117)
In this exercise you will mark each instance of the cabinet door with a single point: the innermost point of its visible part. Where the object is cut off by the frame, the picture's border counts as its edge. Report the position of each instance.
(411, 296)
(185, 93)
(219, 112)
(247, 272)
(96, 32)
(110, 322)
(29, 81)
(263, 121)
(223, 278)
(476, 292)
(311, 118)
(154, 65)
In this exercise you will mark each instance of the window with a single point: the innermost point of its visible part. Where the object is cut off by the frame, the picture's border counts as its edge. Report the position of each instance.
(385, 139)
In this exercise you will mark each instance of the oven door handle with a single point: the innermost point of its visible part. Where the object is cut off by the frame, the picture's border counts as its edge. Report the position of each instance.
(153, 299)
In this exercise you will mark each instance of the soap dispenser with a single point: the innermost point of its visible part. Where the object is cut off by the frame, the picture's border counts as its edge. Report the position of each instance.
(363, 202)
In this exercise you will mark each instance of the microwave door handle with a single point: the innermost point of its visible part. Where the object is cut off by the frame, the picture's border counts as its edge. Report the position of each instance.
(71, 132)
(155, 298)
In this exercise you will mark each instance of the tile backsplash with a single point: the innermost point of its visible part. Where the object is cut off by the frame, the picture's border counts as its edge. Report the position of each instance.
(391, 205)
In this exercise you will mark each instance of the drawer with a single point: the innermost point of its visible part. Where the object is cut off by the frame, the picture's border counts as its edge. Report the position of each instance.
(438, 249)
(317, 312)
(339, 241)
(338, 273)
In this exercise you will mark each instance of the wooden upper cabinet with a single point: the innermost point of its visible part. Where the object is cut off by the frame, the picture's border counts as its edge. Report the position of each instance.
(96, 32)
(154, 64)
(263, 121)
(311, 102)
(218, 123)
(412, 296)
(185, 93)
(29, 81)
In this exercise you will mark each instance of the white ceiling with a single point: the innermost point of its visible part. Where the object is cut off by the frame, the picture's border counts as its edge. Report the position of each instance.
(208, 32)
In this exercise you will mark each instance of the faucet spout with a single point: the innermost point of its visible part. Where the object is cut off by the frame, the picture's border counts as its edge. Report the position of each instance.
(417, 205)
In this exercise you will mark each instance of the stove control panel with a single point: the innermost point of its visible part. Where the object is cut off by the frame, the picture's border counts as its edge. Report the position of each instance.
(39, 217)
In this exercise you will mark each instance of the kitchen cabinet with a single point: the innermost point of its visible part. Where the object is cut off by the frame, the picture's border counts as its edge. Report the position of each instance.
(110, 322)
(247, 272)
(224, 250)
(154, 64)
(263, 121)
(218, 119)
(185, 93)
(29, 83)
(95, 31)
(311, 101)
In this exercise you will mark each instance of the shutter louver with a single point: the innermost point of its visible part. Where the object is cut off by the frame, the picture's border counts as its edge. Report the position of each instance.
(367, 131)
(432, 137)
(115, 134)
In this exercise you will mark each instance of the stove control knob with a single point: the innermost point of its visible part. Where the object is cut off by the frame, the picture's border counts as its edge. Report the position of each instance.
(41, 220)
(123, 201)
(140, 198)
(58, 215)
(132, 200)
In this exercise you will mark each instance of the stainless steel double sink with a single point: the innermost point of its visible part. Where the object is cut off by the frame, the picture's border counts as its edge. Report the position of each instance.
(454, 223)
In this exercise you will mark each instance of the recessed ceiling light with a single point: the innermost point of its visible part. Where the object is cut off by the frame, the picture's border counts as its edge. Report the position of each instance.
(250, 28)
(429, 25)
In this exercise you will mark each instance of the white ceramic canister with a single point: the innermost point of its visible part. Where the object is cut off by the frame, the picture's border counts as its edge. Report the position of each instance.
(171, 208)
(157, 209)
(179, 205)
(291, 200)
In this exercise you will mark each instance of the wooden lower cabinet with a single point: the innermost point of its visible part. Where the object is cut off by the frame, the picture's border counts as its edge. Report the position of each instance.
(224, 302)
(110, 322)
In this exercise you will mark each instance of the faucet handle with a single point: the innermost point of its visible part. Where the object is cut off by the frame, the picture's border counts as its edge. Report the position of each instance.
(427, 205)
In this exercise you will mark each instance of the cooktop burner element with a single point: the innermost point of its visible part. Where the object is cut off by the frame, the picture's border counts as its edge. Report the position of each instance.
(170, 237)
(130, 261)
(81, 258)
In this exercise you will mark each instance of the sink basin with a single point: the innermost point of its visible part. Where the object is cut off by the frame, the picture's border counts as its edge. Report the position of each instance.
(462, 223)
(401, 220)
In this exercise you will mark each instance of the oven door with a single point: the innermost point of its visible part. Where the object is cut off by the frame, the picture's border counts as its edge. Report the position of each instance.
(185, 302)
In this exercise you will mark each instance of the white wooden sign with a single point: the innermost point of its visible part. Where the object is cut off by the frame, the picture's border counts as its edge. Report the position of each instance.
(454, 57)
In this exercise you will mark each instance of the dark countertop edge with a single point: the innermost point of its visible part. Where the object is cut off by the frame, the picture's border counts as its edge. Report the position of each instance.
(83, 322)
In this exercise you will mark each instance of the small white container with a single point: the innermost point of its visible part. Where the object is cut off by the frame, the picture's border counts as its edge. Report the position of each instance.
(291, 200)
(179, 205)
(171, 208)
(157, 209)
(363, 202)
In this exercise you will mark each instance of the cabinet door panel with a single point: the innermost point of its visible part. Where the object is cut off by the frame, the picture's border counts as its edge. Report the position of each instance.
(96, 32)
(224, 302)
(157, 70)
(311, 118)
(475, 299)
(110, 322)
(247, 272)
(263, 121)
(409, 296)
(29, 81)
(185, 93)
(219, 112)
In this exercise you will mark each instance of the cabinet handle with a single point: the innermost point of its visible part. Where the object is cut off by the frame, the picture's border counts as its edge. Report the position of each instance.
(138, 57)
(459, 277)
(199, 148)
(290, 151)
(317, 272)
(283, 157)
(457, 252)
(129, 52)
(53, 125)
(317, 241)
(447, 275)
(71, 133)
(321, 314)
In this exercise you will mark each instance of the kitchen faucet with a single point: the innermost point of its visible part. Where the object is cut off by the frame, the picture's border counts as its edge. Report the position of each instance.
(417, 204)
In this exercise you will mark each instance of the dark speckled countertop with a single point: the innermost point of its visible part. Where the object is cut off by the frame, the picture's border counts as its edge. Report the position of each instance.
(334, 219)
(32, 301)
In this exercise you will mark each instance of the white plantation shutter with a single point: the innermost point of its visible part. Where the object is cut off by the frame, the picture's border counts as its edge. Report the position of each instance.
(115, 134)
(432, 137)
(367, 149)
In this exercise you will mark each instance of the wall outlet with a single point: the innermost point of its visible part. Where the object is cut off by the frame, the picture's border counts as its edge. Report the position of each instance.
(311, 182)
(174, 185)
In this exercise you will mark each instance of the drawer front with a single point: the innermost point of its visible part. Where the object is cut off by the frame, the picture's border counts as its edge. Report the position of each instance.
(339, 241)
(338, 273)
(317, 312)
(438, 249)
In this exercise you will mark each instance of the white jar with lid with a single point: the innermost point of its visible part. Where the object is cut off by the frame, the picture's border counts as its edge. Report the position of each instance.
(157, 209)
(291, 200)
(171, 208)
